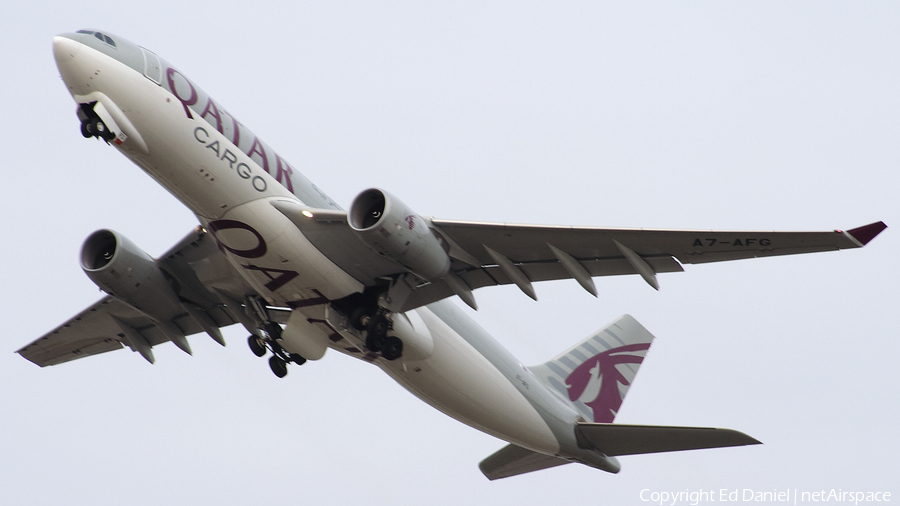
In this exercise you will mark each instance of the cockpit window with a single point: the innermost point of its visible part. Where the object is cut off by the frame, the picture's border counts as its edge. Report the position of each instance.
(100, 36)
(105, 38)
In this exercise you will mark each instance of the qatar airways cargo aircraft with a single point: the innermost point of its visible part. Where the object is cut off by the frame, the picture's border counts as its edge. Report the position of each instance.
(273, 253)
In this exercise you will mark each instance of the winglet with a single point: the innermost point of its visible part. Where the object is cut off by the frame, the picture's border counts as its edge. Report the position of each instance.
(866, 233)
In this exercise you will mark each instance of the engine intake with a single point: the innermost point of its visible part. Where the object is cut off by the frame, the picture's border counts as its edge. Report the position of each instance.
(393, 230)
(126, 272)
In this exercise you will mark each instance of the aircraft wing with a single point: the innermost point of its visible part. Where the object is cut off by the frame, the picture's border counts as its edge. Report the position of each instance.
(528, 243)
(92, 332)
(197, 264)
(483, 254)
(500, 253)
(486, 254)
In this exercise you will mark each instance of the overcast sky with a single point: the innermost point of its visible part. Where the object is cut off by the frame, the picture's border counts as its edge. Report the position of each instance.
(713, 115)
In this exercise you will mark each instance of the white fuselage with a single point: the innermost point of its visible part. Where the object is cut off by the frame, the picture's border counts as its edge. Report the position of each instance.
(231, 194)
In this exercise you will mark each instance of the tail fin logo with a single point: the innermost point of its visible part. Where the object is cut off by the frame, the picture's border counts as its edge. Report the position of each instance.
(599, 378)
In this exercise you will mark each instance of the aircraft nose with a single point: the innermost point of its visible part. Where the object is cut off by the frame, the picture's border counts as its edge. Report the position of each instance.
(64, 49)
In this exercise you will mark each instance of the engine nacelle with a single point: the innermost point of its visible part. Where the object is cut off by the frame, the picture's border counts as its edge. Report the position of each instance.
(393, 230)
(126, 272)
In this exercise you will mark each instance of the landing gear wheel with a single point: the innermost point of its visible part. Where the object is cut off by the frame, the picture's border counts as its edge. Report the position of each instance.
(297, 359)
(377, 326)
(392, 348)
(376, 332)
(86, 130)
(279, 366)
(374, 342)
(257, 345)
(359, 318)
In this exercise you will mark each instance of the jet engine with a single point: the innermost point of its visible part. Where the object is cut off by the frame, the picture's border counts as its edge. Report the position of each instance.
(126, 272)
(393, 230)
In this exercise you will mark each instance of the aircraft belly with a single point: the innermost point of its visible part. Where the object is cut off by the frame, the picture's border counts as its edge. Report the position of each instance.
(277, 259)
(462, 383)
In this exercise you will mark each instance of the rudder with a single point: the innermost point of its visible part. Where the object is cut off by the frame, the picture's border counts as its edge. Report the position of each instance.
(595, 374)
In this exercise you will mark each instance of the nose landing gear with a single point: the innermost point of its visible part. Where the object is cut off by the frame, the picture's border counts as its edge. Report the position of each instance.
(92, 125)
(96, 128)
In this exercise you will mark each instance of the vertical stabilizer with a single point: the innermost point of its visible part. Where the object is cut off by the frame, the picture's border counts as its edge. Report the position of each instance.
(594, 375)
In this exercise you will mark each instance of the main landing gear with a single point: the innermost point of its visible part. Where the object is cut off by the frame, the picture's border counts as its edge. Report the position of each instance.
(280, 357)
(376, 325)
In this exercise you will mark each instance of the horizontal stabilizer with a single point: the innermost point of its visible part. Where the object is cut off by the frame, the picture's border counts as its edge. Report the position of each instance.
(616, 439)
(512, 460)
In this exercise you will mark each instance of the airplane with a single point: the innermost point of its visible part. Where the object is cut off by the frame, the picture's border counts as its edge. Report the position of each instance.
(274, 253)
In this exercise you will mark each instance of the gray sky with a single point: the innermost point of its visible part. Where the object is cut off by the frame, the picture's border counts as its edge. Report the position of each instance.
(754, 115)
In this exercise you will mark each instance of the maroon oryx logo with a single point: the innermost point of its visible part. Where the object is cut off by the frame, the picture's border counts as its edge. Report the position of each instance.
(411, 221)
(601, 375)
